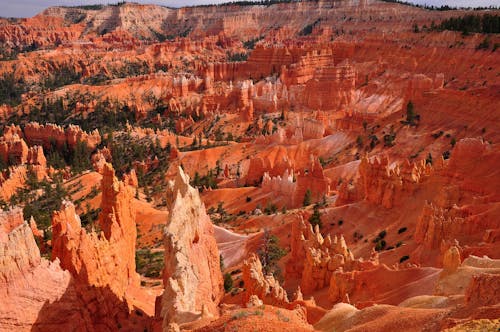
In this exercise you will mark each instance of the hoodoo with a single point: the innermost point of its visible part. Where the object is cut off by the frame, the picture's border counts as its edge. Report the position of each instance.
(192, 276)
(249, 166)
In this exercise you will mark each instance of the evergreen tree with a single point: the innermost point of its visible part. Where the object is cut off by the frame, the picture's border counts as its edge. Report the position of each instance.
(81, 157)
(428, 160)
(307, 198)
(315, 218)
(196, 179)
(270, 253)
(228, 282)
(410, 113)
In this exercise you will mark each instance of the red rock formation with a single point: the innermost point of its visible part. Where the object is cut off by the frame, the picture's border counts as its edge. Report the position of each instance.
(192, 276)
(314, 258)
(313, 179)
(352, 75)
(483, 290)
(258, 166)
(174, 153)
(5, 111)
(38, 163)
(265, 288)
(37, 295)
(451, 260)
(36, 157)
(9, 183)
(29, 284)
(382, 184)
(437, 224)
(27, 255)
(101, 260)
(318, 91)
(131, 179)
(45, 134)
(38, 31)
(292, 191)
(100, 158)
(380, 285)
(305, 68)
(183, 124)
(420, 84)
(13, 149)
(279, 185)
(476, 278)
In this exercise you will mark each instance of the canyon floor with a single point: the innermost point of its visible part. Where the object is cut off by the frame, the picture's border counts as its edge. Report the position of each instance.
(288, 165)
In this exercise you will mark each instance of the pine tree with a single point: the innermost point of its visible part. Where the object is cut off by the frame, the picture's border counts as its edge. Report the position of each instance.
(270, 253)
(228, 282)
(428, 160)
(196, 179)
(315, 218)
(410, 113)
(307, 198)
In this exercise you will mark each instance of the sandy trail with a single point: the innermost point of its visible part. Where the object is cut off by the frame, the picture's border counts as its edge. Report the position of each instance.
(232, 246)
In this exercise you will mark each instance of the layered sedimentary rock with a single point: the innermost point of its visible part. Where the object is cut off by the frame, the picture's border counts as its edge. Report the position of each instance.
(313, 75)
(476, 277)
(259, 165)
(419, 84)
(321, 260)
(100, 158)
(483, 289)
(36, 156)
(12, 180)
(44, 135)
(307, 66)
(192, 277)
(266, 288)
(382, 184)
(37, 162)
(280, 185)
(437, 224)
(36, 295)
(340, 80)
(38, 31)
(314, 259)
(19, 250)
(451, 260)
(91, 292)
(451, 214)
(380, 284)
(292, 186)
(312, 179)
(13, 149)
(106, 259)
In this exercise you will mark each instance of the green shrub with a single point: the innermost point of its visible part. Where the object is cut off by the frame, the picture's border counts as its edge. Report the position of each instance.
(149, 264)
(307, 198)
(380, 245)
(228, 282)
(11, 90)
(404, 258)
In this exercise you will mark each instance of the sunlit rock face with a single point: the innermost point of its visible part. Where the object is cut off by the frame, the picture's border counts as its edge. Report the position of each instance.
(183, 142)
(192, 276)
